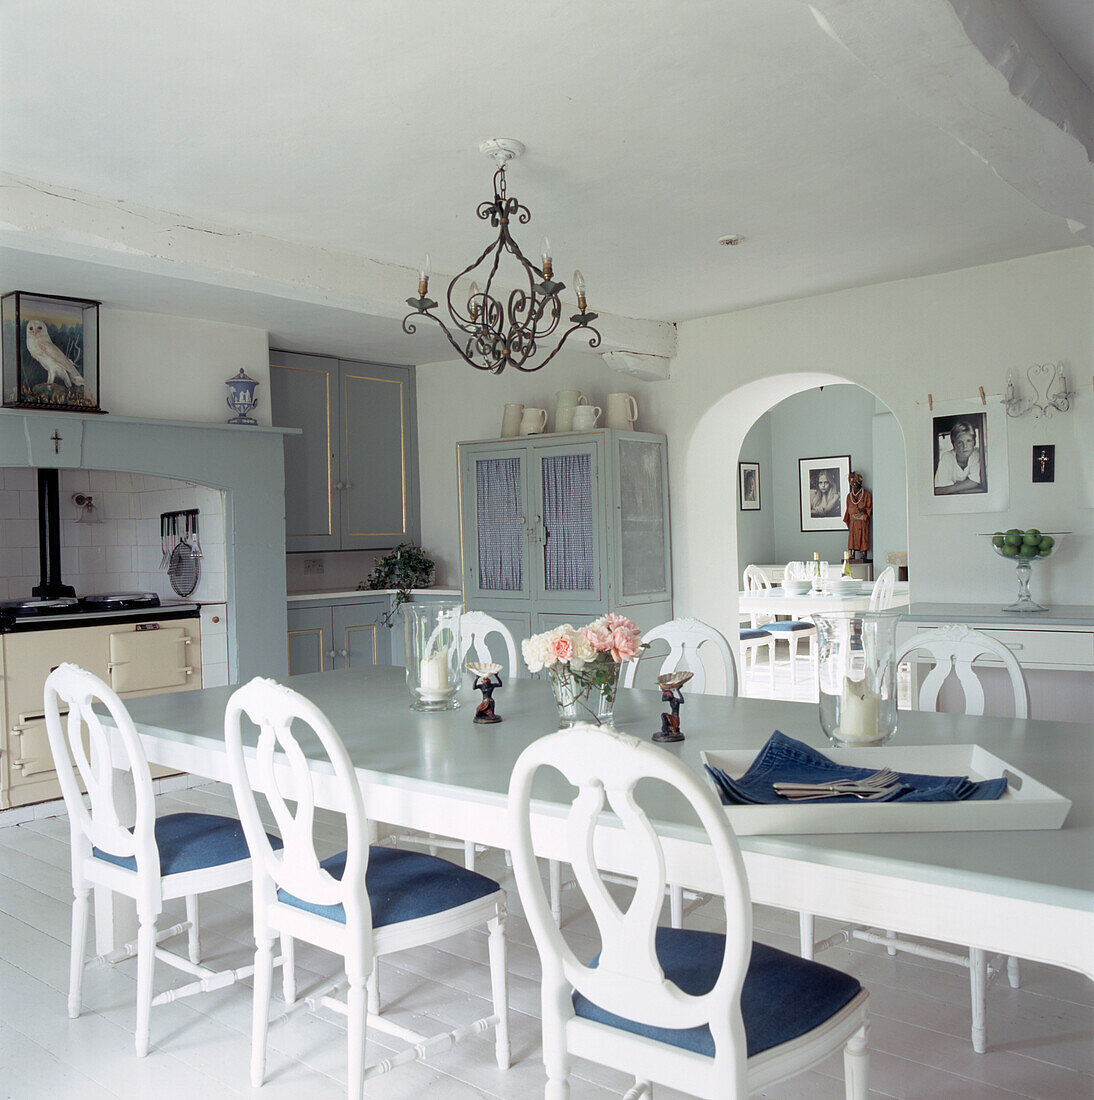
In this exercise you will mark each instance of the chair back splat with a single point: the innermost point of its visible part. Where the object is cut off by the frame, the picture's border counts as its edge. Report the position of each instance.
(282, 772)
(475, 627)
(628, 980)
(955, 648)
(99, 825)
(684, 637)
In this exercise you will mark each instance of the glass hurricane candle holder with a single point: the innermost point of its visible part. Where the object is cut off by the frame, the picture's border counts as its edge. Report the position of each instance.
(858, 694)
(431, 630)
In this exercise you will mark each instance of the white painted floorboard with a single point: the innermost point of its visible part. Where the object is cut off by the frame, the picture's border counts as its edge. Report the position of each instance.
(1041, 1034)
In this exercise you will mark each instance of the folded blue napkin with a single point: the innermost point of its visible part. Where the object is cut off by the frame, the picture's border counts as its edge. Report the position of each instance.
(784, 760)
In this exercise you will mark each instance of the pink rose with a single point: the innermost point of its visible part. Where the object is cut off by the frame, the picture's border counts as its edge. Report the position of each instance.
(563, 648)
(621, 622)
(625, 645)
(598, 636)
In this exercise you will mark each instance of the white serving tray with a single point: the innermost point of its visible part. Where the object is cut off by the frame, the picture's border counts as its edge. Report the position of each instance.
(1026, 804)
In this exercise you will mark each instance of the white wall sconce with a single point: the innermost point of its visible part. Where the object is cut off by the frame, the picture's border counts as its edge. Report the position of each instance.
(1043, 378)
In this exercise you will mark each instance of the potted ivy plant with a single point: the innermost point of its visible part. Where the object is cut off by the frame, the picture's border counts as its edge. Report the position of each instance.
(406, 567)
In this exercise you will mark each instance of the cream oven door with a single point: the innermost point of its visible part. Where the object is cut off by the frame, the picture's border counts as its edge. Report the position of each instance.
(149, 656)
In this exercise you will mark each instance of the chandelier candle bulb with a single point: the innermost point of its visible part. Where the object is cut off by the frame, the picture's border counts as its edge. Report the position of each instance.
(472, 301)
(579, 290)
(548, 266)
(424, 271)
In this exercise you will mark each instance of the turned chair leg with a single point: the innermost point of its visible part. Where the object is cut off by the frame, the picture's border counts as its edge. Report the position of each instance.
(978, 986)
(193, 934)
(260, 1008)
(856, 1066)
(81, 906)
(146, 964)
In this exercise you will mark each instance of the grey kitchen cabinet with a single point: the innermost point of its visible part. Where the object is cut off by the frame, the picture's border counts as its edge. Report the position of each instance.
(328, 635)
(351, 476)
(563, 528)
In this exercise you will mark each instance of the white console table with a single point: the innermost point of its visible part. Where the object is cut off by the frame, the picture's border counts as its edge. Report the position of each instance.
(1055, 649)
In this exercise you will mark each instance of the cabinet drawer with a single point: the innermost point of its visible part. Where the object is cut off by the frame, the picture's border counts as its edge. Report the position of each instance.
(1042, 648)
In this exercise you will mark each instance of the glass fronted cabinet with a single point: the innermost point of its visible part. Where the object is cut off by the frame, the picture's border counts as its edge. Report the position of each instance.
(559, 528)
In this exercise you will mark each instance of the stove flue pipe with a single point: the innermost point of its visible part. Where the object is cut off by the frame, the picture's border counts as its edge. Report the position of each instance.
(49, 538)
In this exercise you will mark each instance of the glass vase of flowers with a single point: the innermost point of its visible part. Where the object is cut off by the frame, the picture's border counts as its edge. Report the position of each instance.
(582, 665)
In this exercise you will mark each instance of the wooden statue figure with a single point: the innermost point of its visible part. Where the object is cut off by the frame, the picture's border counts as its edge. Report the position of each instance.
(486, 680)
(670, 685)
(860, 507)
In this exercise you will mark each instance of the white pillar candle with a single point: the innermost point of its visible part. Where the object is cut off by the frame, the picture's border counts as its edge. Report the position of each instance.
(859, 712)
(433, 671)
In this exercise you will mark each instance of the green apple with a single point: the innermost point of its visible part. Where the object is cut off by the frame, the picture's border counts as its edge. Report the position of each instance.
(1027, 551)
(997, 539)
(1013, 538)
(1047, 542)
(1010, 551)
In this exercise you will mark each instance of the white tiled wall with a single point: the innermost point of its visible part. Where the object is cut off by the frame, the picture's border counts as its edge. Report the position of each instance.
(123, 553)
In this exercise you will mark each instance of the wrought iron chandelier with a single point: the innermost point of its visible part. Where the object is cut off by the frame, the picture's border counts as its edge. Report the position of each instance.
(504, 334)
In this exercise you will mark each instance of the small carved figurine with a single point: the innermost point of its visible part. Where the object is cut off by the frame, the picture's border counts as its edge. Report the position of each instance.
(860, 507)
(670, 684)
(486, 680)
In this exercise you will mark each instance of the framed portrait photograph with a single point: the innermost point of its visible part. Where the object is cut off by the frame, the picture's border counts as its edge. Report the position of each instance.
(50, 352)
(963, 458)
(822, 485)
(748, 486)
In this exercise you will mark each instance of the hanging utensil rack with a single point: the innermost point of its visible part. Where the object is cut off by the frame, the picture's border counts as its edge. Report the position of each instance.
(181, 548)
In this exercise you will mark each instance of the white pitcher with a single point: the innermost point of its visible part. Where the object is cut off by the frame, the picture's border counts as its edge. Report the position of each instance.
(622, 412)
(585, 417)
(565, 403)
(510, 421)
(533, 421)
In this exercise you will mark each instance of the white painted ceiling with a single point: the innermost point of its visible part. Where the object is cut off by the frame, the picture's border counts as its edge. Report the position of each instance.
(652, 129)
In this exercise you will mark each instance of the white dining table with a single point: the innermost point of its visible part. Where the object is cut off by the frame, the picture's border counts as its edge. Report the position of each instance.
(774, 601)
(1024, 893)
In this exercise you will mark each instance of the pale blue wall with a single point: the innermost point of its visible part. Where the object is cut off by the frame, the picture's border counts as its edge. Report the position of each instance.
(756, 530)
(835, 420)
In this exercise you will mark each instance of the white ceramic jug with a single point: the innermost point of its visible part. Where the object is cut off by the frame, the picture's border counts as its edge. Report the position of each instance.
(510, 421)
(565, 403)
(622, 411)
(533, 421)
(585, 417)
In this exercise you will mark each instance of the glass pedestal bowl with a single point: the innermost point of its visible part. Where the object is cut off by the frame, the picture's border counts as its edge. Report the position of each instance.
(1025, 554)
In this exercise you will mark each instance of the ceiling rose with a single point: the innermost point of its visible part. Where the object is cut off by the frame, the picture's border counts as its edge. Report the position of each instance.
(500, 334)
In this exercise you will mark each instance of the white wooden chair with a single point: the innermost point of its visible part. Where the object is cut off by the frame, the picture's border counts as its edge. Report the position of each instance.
(475, 628)
(791, 629)
(361, 903)
(713, 1015)
(159, 859)
(953, 648)
(685, 637)
(881, 596)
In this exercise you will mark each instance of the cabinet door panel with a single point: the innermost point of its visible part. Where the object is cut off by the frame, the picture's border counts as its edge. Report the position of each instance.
(359, 637)
(310, 648)
(303, 389)
(378, 449)
(642, 534)
(495, 520)
(569, 522)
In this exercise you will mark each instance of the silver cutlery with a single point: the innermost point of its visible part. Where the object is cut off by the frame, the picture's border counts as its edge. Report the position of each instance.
(865, 794)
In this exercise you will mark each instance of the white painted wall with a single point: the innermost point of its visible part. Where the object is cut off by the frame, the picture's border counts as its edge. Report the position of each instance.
(756, 530)
(942, 334)
(174, 368)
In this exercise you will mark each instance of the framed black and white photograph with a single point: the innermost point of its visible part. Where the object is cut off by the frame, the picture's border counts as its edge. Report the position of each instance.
(822, 485)
(50, 352)
(963, 458)
(748, 486)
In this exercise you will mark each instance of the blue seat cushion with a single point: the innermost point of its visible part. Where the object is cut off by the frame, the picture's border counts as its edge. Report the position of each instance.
(783, 996)
(752, 635)
(403, 885)
(190, 841)
(790, 624)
